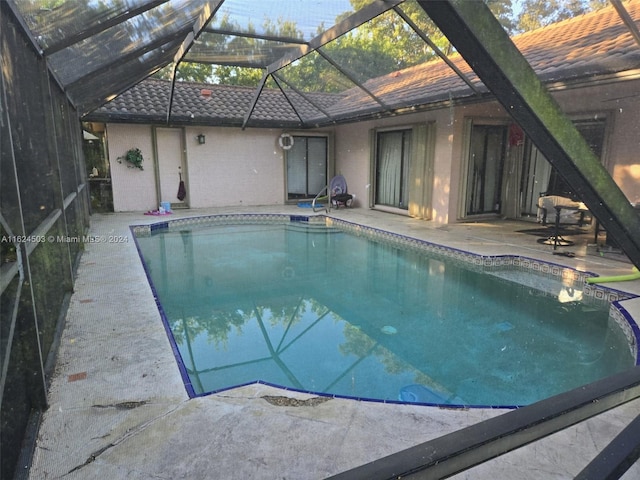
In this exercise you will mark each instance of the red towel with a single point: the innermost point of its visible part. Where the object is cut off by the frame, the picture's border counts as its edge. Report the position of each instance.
(182, 191)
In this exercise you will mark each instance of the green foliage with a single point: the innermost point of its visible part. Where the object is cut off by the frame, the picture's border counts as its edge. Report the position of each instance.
(503, 11)
(188, 72)
(540, 13)
(383, 45)
(241, 76)
(195, 72)
(133, 157)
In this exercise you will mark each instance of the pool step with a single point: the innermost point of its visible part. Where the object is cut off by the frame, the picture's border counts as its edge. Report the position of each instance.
(316, 228)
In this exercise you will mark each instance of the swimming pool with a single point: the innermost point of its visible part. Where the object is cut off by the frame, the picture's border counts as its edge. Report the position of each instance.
(326, 306)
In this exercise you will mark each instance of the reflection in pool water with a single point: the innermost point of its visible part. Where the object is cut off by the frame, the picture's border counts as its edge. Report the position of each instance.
(316, 309)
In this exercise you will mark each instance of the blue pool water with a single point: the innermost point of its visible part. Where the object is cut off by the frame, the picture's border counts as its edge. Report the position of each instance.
(320, 310)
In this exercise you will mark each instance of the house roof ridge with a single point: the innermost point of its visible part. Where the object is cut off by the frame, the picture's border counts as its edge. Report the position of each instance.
(205, 85)
(195, 84)
(583, 17)
(220, 86)
(544, 30)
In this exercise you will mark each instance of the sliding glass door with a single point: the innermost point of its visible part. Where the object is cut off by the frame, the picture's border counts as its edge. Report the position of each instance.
(306, 167)
(486, 161)
(392, 168)
(540, 178)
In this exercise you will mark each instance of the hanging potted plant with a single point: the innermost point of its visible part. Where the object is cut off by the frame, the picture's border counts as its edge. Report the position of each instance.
(133, 157)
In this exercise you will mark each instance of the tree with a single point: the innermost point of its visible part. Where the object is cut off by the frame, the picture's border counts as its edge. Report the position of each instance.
(503, 11)
(383, 45)
(540, 13)
(238, 75)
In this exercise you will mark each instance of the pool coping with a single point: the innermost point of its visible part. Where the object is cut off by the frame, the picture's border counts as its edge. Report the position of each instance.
(614, 297)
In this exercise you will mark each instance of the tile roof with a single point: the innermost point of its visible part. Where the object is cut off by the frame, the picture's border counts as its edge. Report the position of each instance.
(583, 47)
(196, 103)
(592, 44)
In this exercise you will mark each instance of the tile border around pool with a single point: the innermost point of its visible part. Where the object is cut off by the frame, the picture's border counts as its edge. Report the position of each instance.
(617, 313)
(483, 261)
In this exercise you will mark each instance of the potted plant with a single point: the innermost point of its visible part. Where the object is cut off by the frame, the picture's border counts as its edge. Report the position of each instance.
(133, 157)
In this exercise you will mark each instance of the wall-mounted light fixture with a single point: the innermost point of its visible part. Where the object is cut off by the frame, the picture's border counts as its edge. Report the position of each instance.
(201, 139)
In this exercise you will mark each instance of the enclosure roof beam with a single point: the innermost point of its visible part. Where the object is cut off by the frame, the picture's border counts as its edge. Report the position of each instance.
(270, 38)
(425, 38)
(17, 16)
(101, 27)
(209, 9)
(254, 100)
(278, 78)
(626, 18)
(127, 57)
(352, 79)
(480, 39)
(295, 110)
(360, 17)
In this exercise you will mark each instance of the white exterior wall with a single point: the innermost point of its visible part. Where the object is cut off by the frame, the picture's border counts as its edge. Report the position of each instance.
(445, 189)
(133, 189)
(352, 160)
(353, 156)
(234, 167)
(620, 103)
(246, 167)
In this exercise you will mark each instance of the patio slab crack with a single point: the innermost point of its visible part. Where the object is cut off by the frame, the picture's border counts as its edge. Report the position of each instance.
(123, 405)
(282, 401)
(129, 433)
(91, 458)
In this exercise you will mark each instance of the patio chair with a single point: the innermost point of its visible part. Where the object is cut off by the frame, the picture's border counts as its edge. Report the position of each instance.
(338, 192)
(567, 211)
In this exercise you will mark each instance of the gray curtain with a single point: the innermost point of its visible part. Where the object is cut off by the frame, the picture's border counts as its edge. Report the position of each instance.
(393, 168)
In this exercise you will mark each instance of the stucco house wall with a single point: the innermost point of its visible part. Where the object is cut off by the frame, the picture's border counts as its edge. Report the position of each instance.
(133, 189)
(233, 167)
(354, 151)
(620, 103)
(247, 167)
(589, 63)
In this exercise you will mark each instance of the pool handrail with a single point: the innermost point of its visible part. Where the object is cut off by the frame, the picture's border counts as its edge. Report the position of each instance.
(313, 203)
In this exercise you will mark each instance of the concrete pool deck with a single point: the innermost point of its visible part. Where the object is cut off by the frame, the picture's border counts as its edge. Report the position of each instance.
(118, 407)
